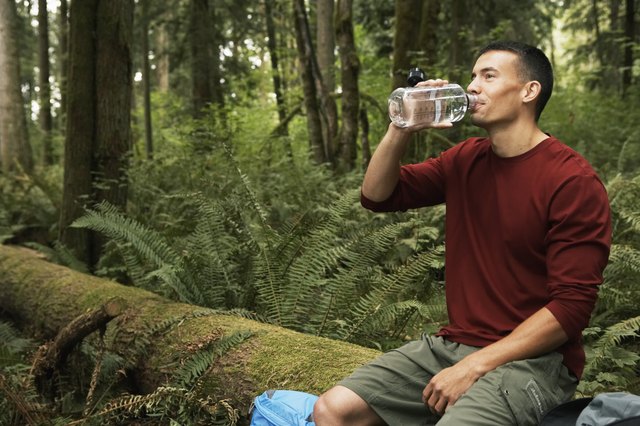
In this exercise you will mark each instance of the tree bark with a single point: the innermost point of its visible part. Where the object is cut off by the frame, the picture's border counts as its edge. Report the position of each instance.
(44, 298)
(215, 40)
(305, 55)
(15, 150)
(325, 42)
(428, 38)
(407, 29)
(629, 32)
(51, 356)
(349, 67)
(98, 138)
(162, 56)
(146, 81)
(458, 11)
(275, 68)
(113, 99)
(63, 55)
(200, 61)
(80, 119)
(46, 122)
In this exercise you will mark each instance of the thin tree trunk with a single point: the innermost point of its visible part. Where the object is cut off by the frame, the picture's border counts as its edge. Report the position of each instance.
(15, 150)
(80, 132)
(428, 38)
(217, 90)
(162, 57)
(63, 55)
(455, 51)
(408, 14)
(629, 32)
(598, 42)
(200, 61)
(146, 81)
(275, 69)
(46, 122)
(314, 124)
(325, 42)
(364, 138)
(349, 67)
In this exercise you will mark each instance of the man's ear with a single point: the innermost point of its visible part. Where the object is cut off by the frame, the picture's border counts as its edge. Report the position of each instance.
(530, 91)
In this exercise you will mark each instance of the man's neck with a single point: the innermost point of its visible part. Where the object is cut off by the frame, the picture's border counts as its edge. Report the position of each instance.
(516, 138)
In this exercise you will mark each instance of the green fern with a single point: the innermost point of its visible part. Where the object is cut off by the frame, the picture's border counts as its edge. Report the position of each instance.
(143, 249)
(201, 361)
(610, 364)
(165, 403)
(329, 277)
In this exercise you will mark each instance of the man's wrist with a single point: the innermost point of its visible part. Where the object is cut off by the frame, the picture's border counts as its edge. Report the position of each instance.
(399, 134)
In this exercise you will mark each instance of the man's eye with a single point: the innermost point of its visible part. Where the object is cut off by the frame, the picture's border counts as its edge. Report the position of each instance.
(489, 76)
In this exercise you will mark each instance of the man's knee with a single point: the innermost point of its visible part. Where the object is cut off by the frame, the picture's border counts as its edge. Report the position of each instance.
(342, 406)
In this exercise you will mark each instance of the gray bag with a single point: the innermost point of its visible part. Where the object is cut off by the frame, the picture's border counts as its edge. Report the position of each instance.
(611, 408)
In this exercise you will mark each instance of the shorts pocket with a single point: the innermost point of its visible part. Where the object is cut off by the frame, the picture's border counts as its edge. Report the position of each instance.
(534, 386)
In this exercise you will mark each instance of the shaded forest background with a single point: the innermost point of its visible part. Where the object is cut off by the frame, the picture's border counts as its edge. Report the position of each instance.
(211, 151)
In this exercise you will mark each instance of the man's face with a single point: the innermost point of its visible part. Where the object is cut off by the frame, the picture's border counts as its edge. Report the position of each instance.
(499, 88)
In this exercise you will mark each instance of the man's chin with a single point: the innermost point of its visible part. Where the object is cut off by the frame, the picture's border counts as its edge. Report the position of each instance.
(477, 121)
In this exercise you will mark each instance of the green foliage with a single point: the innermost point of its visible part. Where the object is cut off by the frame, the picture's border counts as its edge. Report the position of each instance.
(29, 205)
(614, 337)
(166, 404)
(191, 369)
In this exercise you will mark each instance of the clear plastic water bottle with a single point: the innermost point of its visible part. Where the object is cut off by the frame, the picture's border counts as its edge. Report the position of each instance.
(410, 106)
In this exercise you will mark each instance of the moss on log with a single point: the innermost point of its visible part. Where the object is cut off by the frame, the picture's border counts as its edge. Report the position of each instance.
(156, 335)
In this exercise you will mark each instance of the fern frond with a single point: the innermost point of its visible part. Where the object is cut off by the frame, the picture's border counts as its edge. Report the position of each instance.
(142, 245)
(202, 360)
(149, 244)
(614, 334)
(169, 402)
(388, 287)
(11, 340)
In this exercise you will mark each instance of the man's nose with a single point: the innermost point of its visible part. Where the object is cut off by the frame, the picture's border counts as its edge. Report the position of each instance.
(472, 87)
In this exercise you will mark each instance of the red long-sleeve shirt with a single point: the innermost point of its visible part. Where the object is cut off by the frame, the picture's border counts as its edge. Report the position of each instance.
(522, 233)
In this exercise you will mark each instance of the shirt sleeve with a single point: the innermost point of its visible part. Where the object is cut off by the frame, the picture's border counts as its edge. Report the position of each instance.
(578, 243)
(419, 185)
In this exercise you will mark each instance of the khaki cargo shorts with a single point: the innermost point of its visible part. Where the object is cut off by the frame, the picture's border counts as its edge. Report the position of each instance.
(517, 393)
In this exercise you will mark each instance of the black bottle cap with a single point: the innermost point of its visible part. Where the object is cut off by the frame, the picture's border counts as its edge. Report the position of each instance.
(416, 75)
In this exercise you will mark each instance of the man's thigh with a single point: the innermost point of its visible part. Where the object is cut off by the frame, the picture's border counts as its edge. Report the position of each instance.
(517, 393)
(392, 385)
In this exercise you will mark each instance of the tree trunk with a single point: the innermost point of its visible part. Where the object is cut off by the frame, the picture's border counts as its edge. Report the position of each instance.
(629, 32)
(407, 29)
(162, 56)
(63, 55)
(80, 119)
(200, 61)
(428, 38)
(305, 55)
(275, 69)
(215, 37)
(349, 67)
(98, 138)
(15, 150)
(325, 43)
(458, 10)
(44, 298)
(146, 81)
(113, 104)
(45, 89)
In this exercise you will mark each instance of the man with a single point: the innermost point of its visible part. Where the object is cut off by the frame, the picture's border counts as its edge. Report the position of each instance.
(527, 238)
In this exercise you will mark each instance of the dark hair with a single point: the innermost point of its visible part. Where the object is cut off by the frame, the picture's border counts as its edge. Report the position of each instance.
(533, 64)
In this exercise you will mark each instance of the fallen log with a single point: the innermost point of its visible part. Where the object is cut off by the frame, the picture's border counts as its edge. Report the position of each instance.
(52, 355)
(155, 335)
